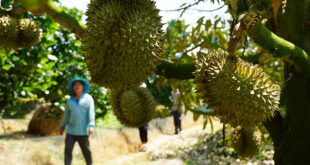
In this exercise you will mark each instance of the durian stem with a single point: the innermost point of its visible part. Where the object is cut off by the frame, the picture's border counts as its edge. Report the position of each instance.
(64, 19)
(278, 46)
(176, 71)
(235, 37)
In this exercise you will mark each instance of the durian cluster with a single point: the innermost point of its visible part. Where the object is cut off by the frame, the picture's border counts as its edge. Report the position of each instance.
(239, 93)
(246, 142)
(122, 42)
(18, 33)
(134, 107)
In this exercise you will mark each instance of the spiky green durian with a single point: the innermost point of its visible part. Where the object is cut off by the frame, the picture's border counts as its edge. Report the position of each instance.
(239, 93)
(246, 142)
(8, 33)
(29, 33)
(133, 108)
(122, 42)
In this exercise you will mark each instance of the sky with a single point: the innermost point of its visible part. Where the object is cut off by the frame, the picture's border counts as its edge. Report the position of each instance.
(190, 16)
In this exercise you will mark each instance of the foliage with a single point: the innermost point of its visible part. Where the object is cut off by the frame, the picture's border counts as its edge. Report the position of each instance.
(43, 71)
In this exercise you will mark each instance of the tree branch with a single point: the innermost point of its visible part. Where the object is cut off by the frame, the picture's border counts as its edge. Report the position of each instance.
(257, 58)
(183, 8)
(14, 8)
(278, 46)
(64, 19)
(212, 10)
(274, 127)
(176, 71)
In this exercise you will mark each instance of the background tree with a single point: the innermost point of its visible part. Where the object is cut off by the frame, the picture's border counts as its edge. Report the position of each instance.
(28, 75)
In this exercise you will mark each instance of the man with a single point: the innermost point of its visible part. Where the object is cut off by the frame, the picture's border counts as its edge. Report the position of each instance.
(177, 110)
(143, 137)
(79, 118)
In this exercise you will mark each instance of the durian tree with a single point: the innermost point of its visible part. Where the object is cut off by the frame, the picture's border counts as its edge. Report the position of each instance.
(123, 37)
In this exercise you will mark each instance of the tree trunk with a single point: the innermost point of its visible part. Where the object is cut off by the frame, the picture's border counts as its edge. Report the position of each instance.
(294, 148)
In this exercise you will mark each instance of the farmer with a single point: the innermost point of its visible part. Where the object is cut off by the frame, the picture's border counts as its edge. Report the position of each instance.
(79, 118)
(143, 137)
(177, 110)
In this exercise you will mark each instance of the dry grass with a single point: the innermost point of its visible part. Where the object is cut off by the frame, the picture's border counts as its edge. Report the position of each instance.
(12, 125)
(37, 158)
(106, 144)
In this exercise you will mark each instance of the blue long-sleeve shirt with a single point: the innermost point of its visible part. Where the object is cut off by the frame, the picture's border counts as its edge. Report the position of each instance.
(79, 115)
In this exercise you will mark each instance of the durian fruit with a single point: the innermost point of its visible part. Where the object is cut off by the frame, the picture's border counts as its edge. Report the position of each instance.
(122, 42)
(239, 92)
(34, 6)
(246, 142)
(8, 33)
(134, 107)
(29, 33)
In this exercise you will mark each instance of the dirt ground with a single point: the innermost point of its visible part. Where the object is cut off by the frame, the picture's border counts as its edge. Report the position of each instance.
(109, 146)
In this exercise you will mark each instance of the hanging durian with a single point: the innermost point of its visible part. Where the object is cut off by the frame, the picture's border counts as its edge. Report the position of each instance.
(29, 33)
(122, 42)
(8, 33)
(133, 108)
(18, 33)
(246, 142)
(239, 93)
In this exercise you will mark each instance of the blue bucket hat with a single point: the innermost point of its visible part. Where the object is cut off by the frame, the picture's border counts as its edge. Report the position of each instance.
(83, 80)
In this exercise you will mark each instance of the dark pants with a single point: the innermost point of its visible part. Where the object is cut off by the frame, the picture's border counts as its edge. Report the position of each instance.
(177, 121)
(84, 145)
(143, 133)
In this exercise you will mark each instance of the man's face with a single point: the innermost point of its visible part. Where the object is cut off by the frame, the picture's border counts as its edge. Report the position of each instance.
(78, 87)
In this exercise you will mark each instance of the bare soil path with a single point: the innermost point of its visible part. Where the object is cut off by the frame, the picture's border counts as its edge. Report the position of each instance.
(109, 146)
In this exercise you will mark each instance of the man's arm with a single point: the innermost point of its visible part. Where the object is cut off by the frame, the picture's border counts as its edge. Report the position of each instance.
(65, 119)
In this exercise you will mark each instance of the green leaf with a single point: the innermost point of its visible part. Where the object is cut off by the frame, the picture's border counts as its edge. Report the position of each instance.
(196, 116)
(208, 24)
(15, 58)
(27, 89)
(205, 122)
(6, 66)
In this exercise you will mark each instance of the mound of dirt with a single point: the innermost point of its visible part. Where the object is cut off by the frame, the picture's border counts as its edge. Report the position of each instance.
(45, 121)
